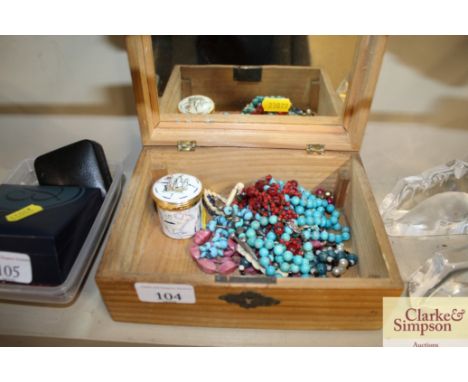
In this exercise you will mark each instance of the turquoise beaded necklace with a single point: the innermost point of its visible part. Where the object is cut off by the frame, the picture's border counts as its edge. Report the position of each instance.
(255, 107)
(288, 231)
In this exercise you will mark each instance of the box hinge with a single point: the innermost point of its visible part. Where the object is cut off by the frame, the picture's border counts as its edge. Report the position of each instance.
(186, 145)
(315, 148)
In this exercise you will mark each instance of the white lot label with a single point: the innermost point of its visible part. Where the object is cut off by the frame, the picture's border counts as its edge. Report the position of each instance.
(15, 267)
(166, 293)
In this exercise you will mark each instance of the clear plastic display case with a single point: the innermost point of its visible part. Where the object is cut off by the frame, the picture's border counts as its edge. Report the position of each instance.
(65, 293)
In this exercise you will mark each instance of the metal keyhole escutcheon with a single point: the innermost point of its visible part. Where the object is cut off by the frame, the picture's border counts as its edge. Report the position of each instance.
(249, 299)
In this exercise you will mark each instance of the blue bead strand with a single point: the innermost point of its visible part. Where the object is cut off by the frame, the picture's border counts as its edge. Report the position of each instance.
(316, 227)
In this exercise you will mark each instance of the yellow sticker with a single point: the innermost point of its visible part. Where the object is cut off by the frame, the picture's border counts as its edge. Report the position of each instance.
(24, 213)
(204, 217)
(276, 105)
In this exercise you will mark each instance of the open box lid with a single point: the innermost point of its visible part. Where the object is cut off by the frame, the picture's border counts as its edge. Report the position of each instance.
(342, 132)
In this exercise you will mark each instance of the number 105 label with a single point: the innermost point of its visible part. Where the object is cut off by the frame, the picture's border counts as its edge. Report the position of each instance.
(165, 293)
(15, 267)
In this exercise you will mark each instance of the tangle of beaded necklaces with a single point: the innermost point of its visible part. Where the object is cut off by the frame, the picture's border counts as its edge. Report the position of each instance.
(274, 228)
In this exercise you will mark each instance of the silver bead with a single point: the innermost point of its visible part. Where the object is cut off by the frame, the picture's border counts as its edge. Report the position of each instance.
(340, 247)
(343, 263)
(343, 269)
(329, 267)
(337, 271)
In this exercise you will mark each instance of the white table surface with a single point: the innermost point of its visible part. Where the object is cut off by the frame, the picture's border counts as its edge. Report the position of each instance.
(387, 154)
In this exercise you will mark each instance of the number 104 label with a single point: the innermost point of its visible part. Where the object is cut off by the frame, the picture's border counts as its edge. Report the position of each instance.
(165, 293)
(15, 267)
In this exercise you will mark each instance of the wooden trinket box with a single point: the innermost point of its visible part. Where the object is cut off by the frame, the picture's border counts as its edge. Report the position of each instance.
(222, 150)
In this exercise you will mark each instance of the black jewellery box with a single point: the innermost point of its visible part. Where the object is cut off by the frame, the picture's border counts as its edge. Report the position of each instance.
(54, 213)
(44, 244)
(49, 239)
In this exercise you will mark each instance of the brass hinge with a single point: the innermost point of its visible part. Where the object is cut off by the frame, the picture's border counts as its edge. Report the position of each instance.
(315, 148)
(186, 145)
